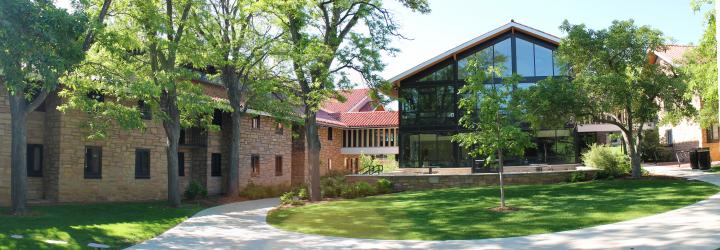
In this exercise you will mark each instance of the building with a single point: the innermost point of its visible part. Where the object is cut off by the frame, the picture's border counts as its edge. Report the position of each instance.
(428, 92)
(65, 166)
(687, 134)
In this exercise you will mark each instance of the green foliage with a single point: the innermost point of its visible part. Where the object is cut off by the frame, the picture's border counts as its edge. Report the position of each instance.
(612, 163)
(383, 186)
(578, 177)
(253, 191)
(349, 192)
(331, 186)
(195, 190)
(700, 66)
(491, 114)
(390, 164)
(294, 197)
(365, 189)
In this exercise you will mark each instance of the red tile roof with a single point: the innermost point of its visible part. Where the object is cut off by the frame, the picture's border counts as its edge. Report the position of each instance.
(673, 53)
(354, 98)
(370, 119)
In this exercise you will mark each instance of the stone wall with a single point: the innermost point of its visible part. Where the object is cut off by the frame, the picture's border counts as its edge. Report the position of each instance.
(330, 157)
(421, 182)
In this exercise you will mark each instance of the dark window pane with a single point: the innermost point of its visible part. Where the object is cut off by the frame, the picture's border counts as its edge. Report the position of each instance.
(217, 117)
(503, 56)
(255, 165)
(278, 165)
(543, 61)
(145, 110)
(442, 74)
(181, 164)
(215, 167)
(558, 68)
(256, 122)
(525, 58)
(142, 164)
(330, 134)
(279, 129)
(34, 160)
(409, 102)
(93, 162)
(483, 58)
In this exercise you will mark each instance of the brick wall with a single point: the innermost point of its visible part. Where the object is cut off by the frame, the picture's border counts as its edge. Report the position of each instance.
(421, 182)
(267, 144)
(330, 157)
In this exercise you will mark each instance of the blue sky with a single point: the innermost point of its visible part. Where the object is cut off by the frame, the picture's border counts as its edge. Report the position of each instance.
(453, 22)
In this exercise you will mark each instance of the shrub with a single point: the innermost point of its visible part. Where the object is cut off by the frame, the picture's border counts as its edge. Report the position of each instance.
(253, 191)
(287, 198)
(349, 192)
(390, 164)
(364, 189)
(578, 177)
(195, 190)
(611, 162)
(331, 186)
(383, 186)
(302, 193)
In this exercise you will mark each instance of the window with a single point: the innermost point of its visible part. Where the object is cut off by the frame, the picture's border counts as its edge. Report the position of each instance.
(543, 61)
(669, 136)
(278, 165)
(502, 58)
(256, 122)
(181, 164)
(142, 163)
(427, 105)
(93, 162)
(215, 167)
(443, 74)
(534, 59)
(255, 165)
(217, 117)
(712, 134)
(329, 164)
(330, 134)
(145, 110)
(525, 57)
(279, 128)
(34, 160)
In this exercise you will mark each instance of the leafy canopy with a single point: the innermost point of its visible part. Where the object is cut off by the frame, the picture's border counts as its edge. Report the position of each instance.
(700, 65)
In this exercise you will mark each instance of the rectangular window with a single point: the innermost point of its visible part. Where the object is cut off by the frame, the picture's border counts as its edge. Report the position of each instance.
(145, 110)
(330, 134)
(712, 134)
(525, 57)
(255, 165)
(34, 160)
(669, 136)
(215, 167)
(279, 128)
(278, 165)
(181, 164)
(217, 117)
(256, 122)
(142, 163)
(93, 162)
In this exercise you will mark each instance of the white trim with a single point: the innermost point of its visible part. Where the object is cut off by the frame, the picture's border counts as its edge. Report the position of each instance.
(665, 58)
(370, 150)
(357, 105)
(473, 42)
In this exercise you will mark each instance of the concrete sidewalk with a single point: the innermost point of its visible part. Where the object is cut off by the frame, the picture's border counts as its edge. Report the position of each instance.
(242, 226)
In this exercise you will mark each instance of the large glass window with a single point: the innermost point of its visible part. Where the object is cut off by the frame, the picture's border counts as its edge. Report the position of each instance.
(428, 149)
(93, 162)
(442, 74)
(543, 61)
(524, 54)
(427, 105)
(498, 55)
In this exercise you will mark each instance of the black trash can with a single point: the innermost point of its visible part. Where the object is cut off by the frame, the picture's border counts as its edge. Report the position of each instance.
(694, 159)
(703, 158)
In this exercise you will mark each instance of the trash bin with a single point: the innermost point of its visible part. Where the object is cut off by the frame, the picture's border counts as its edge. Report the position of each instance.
(694, 158)
(703, 158)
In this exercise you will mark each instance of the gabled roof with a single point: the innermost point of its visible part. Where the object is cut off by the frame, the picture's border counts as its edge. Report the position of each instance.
(673, 53)
(354, 100)
(355, 112)
(511, 26)
(370, 119)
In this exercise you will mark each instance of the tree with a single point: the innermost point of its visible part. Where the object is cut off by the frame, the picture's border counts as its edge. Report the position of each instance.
(239, 36)
(611, 81)
(492, 113)
(701, 68)
(142, 59)
(39, 44)
(326, 40)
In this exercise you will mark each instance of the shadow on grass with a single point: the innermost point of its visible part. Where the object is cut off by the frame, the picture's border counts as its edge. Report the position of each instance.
(462, 213)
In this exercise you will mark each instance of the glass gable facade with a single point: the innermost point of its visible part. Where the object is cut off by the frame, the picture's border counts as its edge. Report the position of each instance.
(428, 104)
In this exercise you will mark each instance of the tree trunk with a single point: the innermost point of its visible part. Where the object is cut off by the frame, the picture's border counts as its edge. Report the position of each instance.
(502, 184)
(234, 95)
(18, 182)
(632, 152)
(313, 149)
(172, 131)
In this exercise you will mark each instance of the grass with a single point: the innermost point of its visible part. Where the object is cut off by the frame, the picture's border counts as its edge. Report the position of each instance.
(116, 224)
(463, 213)
(715, 168)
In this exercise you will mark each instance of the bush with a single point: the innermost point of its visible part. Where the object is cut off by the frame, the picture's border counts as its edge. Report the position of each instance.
(253, 191)
(578, 177)
(612, 163)
(302, 193)
(195, 190)
(289, 198)
(383, 186)
(365, 189)
(331, 186)
(349, 192)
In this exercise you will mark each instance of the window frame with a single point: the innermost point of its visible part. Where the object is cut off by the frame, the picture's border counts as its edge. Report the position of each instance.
(88, 175)
(31, 148)
(181, 164)
(710, 135)
(329, 133)
(279, 128)
(145, 110)
(255, 122)
(278, 165)
(142, 157)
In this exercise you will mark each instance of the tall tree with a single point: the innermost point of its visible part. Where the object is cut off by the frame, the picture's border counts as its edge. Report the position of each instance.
(328, 39)
(39, 43)
(239, 36)
(701, 68)
(143, 56)
(492, 113)
(612, 81)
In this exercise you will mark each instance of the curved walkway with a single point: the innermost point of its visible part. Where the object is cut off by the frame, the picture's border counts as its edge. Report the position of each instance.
(242, 226)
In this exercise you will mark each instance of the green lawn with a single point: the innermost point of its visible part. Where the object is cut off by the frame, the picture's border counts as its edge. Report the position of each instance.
(462, 213)
(715, 169)
(116, 224)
